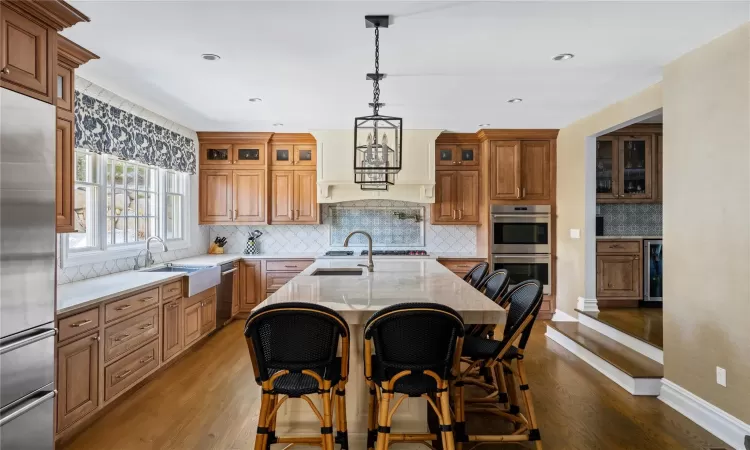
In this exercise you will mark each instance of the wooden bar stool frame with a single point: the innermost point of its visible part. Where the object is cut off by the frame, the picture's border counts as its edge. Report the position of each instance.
(502, 399)
(271, 401)
(380, 412)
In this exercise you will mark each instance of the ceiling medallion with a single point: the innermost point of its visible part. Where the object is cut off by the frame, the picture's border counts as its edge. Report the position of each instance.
(377, 138)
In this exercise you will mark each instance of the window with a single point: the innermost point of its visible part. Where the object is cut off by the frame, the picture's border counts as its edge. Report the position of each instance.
(119, 204)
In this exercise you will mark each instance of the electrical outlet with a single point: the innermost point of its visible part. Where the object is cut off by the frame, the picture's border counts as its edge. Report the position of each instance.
(575, 233)
(721, 376)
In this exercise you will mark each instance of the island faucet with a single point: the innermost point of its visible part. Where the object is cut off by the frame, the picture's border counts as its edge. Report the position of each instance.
(370, 266)
(149, 260)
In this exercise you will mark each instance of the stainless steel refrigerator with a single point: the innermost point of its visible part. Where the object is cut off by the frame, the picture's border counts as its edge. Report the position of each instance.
(27, 272)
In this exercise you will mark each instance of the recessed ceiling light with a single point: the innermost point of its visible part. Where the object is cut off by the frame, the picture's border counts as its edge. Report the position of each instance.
(255, 100)
(278, 124)
(564, 56)
(483, 125)
(515, 100)
(210, 57)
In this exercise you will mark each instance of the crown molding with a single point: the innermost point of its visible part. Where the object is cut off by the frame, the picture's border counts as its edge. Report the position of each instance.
(54, 13)
(457, 138)
(73, 54)
(292, 138)
(521, 133)
(225, 137)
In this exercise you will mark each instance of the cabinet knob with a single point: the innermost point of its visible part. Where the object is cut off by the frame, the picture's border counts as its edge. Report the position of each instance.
(5, 71)
(460, 162)
(95, 338)
(455, 162)
(610, 285)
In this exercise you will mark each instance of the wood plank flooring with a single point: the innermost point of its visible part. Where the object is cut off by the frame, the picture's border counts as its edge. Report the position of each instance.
(645, 324)
(203, 402)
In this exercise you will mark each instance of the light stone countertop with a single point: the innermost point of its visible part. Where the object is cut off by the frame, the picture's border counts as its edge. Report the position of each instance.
(449, 255)
(80, 294)
(357, 297)
(625, 238)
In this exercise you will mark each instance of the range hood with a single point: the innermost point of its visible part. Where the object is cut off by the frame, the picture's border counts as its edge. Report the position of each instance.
(414, 183)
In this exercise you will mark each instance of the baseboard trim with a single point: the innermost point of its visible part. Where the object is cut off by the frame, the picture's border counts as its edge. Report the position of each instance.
(587, 304)
(561, 316)
(714, 420)
(635, 386)
(625, 339)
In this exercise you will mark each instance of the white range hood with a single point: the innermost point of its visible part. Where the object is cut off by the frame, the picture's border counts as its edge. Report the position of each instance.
(414, 183)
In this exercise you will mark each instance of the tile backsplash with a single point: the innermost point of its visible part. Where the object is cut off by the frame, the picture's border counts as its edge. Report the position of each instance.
(631, 219)
(341, 218)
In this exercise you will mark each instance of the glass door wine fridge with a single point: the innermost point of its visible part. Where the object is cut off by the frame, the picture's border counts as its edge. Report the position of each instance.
(652, 271)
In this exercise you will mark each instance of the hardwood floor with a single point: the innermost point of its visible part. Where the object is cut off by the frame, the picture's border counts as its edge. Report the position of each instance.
(645, 324)
(203, 402)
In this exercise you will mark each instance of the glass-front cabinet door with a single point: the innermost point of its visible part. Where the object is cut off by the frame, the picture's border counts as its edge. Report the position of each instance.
(636, 165)
(467, 155)
(304, 155)
(282, 155)
(216, 154)
(607, 164)
(445, 155)
(457, 155)
(249, 154)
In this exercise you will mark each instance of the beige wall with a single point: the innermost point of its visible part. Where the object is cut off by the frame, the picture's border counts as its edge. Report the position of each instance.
(572, 193)
(707, 221)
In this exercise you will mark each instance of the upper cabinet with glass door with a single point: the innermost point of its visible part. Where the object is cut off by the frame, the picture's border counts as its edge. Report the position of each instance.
(457, 155)
(226, 154)
(303, 156)
(626, 169)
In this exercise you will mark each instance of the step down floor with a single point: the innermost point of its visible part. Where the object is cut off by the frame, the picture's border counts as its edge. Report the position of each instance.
(633, 371)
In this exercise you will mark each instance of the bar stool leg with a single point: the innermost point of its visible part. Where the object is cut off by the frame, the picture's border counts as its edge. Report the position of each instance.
(261, 438)
(383, 409)
(526, 392)
(327, 430)
(272, 423)
(445, 420)
(372, 418)
(510, 383)
(502, 388)
(341, 429)
(458, 409)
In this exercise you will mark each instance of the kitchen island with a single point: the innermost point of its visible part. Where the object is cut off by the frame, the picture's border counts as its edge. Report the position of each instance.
(356, 297)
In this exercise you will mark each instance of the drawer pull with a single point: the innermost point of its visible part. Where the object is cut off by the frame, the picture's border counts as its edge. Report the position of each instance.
(173, 305)
(174, 290)
(463, 265)
(615, 246)
(146, 360)
(147, 299)
(146, 327)
(290, 266)
(123, 307)
(81, 323)
(124, 374)
(121, 337)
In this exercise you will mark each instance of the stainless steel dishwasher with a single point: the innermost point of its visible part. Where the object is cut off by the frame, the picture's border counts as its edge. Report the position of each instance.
(224, 295)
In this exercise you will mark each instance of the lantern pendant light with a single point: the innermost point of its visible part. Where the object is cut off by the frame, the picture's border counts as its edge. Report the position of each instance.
(377, 138)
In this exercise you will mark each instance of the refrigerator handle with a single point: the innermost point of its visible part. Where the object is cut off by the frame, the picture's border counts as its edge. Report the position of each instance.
(26, 406)
(42, 334)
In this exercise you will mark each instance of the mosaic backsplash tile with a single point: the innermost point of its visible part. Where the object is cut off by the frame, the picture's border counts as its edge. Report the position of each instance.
(631, 219)
(318, 238)
(389, 226)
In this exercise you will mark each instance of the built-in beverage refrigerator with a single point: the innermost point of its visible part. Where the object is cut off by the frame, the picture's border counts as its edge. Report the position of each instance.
(652, 270)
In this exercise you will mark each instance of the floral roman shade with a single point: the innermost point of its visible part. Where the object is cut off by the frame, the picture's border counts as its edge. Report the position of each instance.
(105, 129)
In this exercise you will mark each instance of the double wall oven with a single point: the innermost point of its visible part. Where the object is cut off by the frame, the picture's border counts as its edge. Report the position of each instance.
(521, 242)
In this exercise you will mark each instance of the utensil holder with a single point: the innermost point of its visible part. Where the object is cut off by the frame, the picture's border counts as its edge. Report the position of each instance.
(215, 250)
(252, 247)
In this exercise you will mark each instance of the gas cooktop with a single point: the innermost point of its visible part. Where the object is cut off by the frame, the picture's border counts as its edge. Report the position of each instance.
(396, 253)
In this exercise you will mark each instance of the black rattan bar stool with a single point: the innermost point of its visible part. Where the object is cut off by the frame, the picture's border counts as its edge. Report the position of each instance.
(293, 349)
(417, 350)
(525, 300)
(494, 287)
(477, 274)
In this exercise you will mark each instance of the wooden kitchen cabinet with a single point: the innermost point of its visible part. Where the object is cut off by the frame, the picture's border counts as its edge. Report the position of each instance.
(208, 315)
(234, 197)
(520, 170)
(250, 285)
(252, 154)
(292, 155)
(171, 329)
(215, 154)
(293, 197)
(619, 273)
(236, 288)
(628, 165)
(457, 156)
(191, 318)
(456, 197)
(228, 154)
(26, 61)
(77, 380)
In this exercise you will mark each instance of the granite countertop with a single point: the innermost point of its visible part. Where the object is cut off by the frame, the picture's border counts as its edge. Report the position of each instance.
(357, 297)
(625, 238)
(457, 255)
(77, 295)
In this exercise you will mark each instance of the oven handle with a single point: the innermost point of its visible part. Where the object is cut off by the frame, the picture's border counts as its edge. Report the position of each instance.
(522, 256)
(229, 271)
(534, 215)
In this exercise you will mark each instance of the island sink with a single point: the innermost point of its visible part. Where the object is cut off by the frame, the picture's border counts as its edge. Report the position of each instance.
(197, 278)
(338, 271)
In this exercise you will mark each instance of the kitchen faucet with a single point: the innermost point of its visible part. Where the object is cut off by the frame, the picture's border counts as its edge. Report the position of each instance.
(370, 266)
(149, 259)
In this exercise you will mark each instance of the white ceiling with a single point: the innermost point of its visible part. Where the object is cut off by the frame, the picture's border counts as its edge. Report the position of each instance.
(450, 65)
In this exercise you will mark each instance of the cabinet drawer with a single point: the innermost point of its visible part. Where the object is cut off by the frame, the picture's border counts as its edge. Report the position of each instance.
(125, 372)
(131, 333)
(281, 265)
(128, 305)
(77, 324)
(459, 265)
(170, 290)
(618, 246)
(275, 280)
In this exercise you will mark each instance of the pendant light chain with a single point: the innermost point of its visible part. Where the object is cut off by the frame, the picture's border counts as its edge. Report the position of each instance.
(376, 81)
